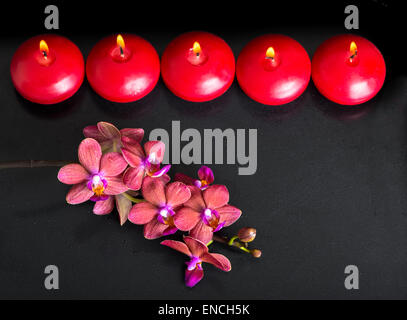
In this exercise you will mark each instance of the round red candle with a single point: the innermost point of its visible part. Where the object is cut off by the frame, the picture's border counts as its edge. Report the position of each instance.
(273, 69)
(47, 69)
(198, 66)
(123, 68)
(348, 69)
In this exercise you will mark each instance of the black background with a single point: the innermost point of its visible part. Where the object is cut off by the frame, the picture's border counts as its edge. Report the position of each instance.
(330, 189)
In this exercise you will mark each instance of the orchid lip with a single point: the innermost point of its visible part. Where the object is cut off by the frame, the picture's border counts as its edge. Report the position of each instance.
(152, 158)
(165, 215)
(211, 218)
(169, 231)
(97, 184)
(95, 198)
(220, 226)
(160, 172)
(194, 263)
(201, 184)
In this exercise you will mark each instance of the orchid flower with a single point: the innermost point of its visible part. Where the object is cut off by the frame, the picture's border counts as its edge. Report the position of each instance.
(143, 162)
(205, 175)
(206, 212)
(198, 253)
(162, 203)
(111, 138)
(96, 177)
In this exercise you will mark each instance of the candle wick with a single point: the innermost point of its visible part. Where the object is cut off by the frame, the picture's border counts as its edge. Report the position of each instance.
(45, 54)
(354, 55)
(121, 51)
(197, 54)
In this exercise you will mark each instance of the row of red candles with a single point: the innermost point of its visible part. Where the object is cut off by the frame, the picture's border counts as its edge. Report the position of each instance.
(199, 66)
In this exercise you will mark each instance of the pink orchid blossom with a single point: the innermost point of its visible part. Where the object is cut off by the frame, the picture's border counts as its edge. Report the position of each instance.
(198, 253)
(112, 139)
(206, 212)
(96, 178)
(205, 175)
(143, 163)
(162, 203)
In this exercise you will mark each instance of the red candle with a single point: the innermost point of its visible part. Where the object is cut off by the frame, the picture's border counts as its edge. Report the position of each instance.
(47, 69)
(198, 66)
(348, 69)
(273, 69)
(123, 68)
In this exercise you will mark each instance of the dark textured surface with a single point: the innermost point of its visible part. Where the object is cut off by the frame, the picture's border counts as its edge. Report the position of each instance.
(330, 191)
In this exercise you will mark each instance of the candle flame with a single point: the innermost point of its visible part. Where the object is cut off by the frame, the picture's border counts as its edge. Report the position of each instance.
(196, 48)
(44, 47)
(270, 53)
(353, 48)
(120, 41)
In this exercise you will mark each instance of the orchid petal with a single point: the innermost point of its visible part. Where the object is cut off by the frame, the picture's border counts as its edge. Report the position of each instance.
(177, 245)
(177, 194)
(154, 229)
(184, 179)
(142, 213)
(123, 207)
(205, 173)
(93, 132)
(155, 151)
(229, 215)
(218, 260)
(107, 146)
(165, 178)
(79, 193)
(132, 159)
(112, 164)
(193, 277)
(89, 153)
(216, 196)
(133, 146)
(162, 171)
(197, 248)
(202, 232)
(72, 174)
(104, 207)
(135, 134)
(153, 191)
(196, 202)
(186, 218)
(133, 178)
(108, 130)
(115, 186)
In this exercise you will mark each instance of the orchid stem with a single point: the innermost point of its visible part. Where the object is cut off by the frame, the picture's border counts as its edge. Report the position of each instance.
(232, 240)
(33, 164)
(232, 243)
(132, 199)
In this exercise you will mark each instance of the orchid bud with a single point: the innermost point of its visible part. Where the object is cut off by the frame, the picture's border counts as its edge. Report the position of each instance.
(256, 253)
(247, 234)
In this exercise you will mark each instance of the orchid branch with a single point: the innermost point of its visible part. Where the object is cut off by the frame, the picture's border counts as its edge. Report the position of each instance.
(33, 164)
(237, 243)
(233, 242)
(115, 170)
